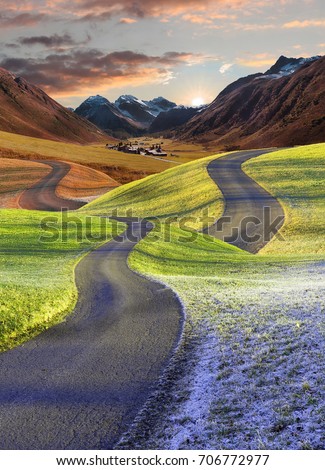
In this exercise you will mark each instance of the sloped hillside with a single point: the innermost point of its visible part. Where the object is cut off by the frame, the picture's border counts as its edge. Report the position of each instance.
(26, 109)
(279, 108)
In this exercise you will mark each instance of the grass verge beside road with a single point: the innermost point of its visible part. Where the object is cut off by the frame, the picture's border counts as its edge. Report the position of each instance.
(257, 378)
(296, 178)
(37, 287)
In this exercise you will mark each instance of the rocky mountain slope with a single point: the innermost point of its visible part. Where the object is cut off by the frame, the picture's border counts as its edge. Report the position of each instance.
(107, 117)
(26, 109)
(282, 107)
(173, 118)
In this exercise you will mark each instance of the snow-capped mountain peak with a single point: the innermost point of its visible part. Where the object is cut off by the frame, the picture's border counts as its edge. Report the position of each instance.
(96, 100)
(285, 66)
(138, 112)
(159, 105)
(141, 110)
(128, 99)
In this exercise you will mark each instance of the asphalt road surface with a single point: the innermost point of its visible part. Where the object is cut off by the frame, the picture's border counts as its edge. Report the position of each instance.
(252, 216)
(42, 195)
(80, 384)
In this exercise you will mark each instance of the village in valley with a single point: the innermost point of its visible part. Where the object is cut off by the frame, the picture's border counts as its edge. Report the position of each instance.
(139, 148)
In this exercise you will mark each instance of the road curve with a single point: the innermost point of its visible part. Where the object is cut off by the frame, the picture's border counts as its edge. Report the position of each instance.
(251, 216)
(80, 384)
(42, 195)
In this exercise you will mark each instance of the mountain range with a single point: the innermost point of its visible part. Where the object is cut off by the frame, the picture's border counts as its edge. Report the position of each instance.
(105, 115)
(126, 116)
(281, 107)
(130, 116)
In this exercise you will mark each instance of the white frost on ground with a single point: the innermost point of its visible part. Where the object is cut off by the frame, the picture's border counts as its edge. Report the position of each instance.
(258, 378)
(194, 413)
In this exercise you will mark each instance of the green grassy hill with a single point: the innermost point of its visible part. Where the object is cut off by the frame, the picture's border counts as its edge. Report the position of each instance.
(296, 177)
(184, 193)
(186, 190)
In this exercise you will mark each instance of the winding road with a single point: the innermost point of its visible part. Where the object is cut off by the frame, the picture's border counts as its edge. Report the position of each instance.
(42, 195)
(251, 216)
(80, 384)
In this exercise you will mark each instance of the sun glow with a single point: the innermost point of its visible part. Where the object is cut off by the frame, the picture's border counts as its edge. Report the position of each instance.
(198, 101)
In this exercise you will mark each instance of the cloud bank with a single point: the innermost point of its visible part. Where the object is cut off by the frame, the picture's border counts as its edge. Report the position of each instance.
(91, 69)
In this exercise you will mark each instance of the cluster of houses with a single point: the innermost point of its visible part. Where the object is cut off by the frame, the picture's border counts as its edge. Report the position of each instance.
(139, 148)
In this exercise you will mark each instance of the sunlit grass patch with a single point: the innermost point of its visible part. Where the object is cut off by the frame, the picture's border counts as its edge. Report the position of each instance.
(32, 147)
(37, 287)
(169, 249)
(296, 177)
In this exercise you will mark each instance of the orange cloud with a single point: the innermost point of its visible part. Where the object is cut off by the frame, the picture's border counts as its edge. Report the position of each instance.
(127, 21)
(255, 63)
(196, 19)
(194, 11)
(254, 27)
(304, 24)
(102, 9)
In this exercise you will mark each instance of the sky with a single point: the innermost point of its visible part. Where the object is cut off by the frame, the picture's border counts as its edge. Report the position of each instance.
(184, 50)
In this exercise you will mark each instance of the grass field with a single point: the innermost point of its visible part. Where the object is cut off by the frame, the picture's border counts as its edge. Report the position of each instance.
(80, 182)
(37, 286)
(256, 380)
(296, 177)
(83, 182)
(120, 166)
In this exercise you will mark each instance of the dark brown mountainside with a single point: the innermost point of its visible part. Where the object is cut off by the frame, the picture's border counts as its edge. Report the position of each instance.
(265, 110)
(26, 109)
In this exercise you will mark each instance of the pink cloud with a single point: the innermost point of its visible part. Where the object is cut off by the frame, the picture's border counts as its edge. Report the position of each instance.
(12, 20)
